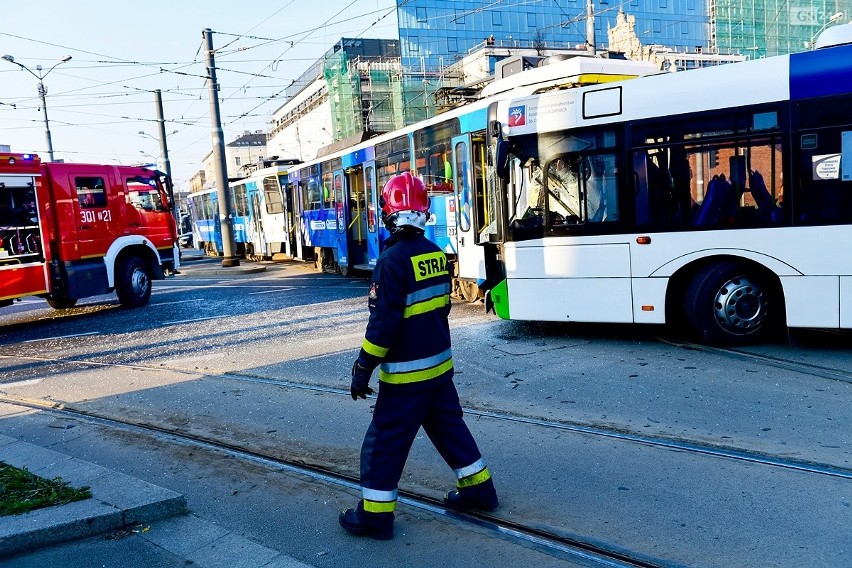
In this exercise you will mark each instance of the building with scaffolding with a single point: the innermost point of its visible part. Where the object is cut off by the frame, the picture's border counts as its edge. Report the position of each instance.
(358, 88)
(763, 28)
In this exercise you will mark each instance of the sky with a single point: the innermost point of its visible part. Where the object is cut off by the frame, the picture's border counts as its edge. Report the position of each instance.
(121, 52)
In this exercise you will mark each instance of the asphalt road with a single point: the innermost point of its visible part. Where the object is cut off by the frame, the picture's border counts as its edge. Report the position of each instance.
(579, 456)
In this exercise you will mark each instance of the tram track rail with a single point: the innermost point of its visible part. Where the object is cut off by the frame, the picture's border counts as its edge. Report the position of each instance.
(769, 360)
(573, 547)
(669, 443)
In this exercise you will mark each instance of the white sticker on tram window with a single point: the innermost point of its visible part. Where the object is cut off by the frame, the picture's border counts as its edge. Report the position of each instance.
(846, 156)
(317, 225)
(826, 166)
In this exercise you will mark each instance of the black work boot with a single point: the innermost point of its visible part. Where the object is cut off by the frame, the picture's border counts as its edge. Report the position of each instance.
(360, 523)
(481, 496)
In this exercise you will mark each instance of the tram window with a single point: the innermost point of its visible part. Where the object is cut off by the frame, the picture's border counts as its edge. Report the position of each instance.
(240, 201)
(392, 158)
(562, 192)
(207, 206)
(432, 149)
(313, 193)
(824, 184)
(601, 189)
(198, 208)
(339, 202)
(826, 113)
(327, 192)
(730, 184)
(272, 193)
(528, 199)
(466, 194)
(370, 194)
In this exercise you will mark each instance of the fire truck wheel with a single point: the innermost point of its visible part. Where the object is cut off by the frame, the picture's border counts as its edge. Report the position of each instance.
(61, 303)
(133, 282)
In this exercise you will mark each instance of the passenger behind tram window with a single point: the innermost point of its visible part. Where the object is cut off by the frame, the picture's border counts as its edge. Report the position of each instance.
(767, 210)
(683, 204)
(716, 198)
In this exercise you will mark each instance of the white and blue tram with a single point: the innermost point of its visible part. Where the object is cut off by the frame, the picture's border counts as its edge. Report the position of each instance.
(720, 198)
(264, 218)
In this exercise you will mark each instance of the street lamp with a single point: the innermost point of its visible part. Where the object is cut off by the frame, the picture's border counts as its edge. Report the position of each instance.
(164, 156)
(833, 18)
(42, 91)
(143, 133)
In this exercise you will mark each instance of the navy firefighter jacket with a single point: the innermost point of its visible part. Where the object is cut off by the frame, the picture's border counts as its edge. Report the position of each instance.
(408, 336)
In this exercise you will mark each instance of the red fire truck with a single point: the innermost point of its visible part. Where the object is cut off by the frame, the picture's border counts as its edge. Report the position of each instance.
(68, 231)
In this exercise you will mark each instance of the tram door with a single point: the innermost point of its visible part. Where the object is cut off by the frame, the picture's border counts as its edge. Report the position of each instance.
(254, 232)
(291, 217)
(357, 218)
(294, 187)
(341, 214)
(372, 214)
(467, 171)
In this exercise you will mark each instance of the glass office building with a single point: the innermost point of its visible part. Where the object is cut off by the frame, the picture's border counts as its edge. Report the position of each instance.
(435, 33)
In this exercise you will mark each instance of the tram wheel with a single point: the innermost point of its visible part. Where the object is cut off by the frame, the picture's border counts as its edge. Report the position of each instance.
(729, 304)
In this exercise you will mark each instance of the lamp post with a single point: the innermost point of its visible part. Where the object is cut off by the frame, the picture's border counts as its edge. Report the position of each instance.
(160, 157)
(42, 92)
(150, 157)
(833, 18)
(163, 161)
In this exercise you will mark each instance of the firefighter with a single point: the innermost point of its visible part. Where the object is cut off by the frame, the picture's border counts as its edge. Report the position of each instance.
(408, 338)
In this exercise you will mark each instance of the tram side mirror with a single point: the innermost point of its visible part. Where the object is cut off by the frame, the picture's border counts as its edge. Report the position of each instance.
(501, 159)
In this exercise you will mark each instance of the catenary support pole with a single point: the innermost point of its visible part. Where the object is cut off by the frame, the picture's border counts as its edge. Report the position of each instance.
(590, 28)
(164, 153)
(226, 216)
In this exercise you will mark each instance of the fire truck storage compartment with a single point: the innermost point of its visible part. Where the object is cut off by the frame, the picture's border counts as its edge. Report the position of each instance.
(20, 239)
(86, 278)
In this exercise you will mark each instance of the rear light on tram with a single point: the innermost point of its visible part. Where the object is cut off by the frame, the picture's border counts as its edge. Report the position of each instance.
(643, 240)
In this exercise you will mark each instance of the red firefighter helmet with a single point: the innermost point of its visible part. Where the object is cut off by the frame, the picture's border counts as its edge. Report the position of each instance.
(404, 201)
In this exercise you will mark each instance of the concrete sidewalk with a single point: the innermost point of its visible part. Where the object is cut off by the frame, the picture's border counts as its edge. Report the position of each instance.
(200, 266)
(121, 505)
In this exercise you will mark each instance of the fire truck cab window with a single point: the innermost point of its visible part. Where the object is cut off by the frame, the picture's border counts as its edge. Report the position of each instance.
(144, 196)
(91, 192)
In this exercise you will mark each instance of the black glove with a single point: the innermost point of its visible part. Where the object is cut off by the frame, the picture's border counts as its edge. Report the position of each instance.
(360, 381)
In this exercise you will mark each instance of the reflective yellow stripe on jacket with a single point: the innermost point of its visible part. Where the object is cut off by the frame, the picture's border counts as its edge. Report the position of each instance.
(416, 371)
(426, 300)
(374, 349)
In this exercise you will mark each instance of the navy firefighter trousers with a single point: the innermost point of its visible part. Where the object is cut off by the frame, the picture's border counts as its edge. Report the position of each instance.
(400, 412)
